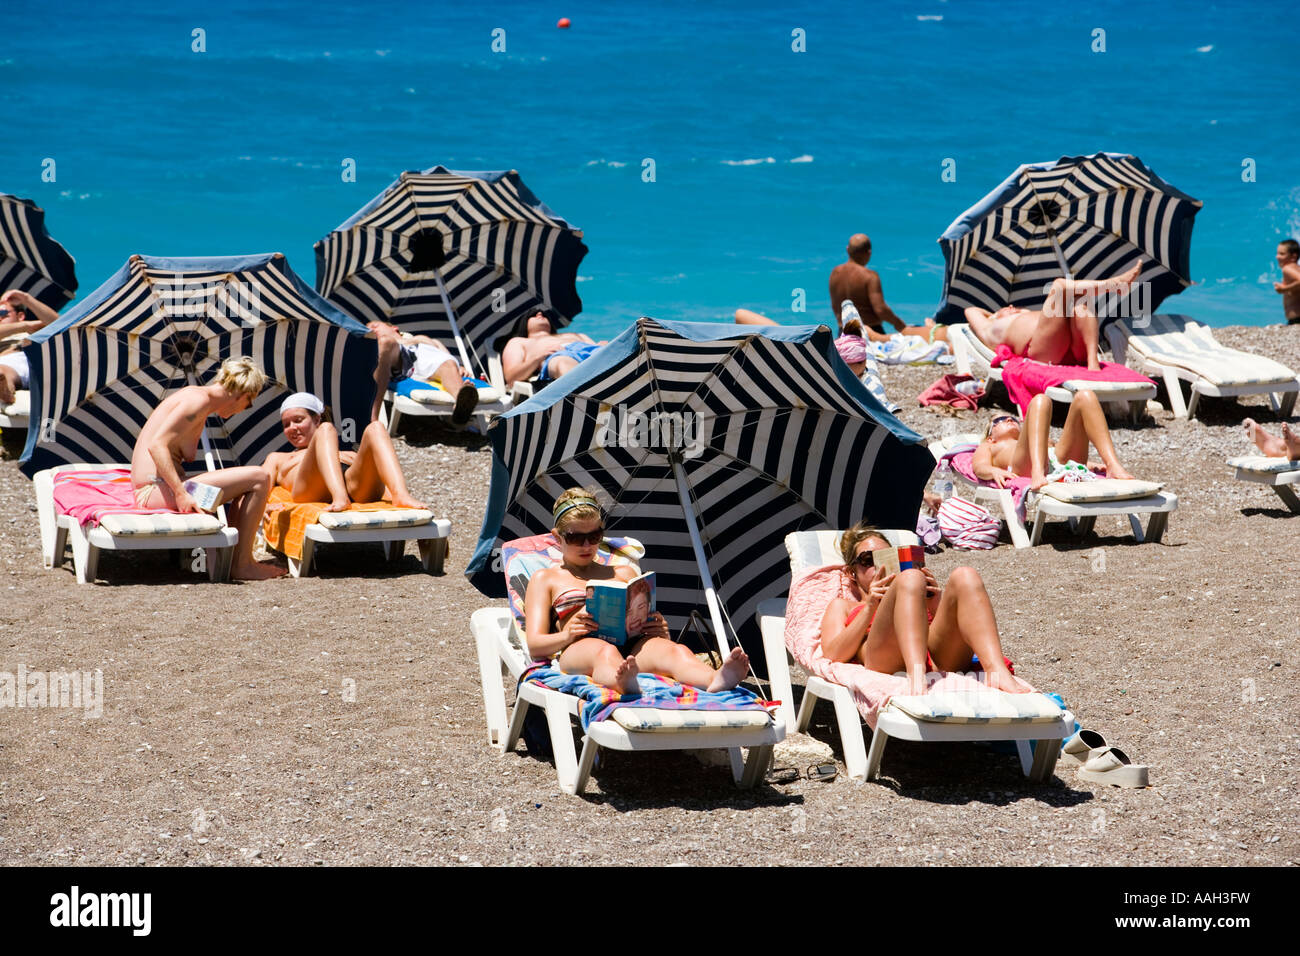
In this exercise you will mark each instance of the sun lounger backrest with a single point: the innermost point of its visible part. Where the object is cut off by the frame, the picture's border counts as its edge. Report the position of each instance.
(523, 557)
(816, 549)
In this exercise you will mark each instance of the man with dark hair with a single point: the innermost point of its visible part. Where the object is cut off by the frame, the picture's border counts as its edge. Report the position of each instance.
(853, 281)
(1288, 258)
(542, 352)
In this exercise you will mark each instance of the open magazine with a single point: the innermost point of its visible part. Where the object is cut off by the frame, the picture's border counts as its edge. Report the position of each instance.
(621, 608)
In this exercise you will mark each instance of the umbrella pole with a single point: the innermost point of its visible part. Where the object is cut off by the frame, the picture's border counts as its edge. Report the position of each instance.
(710, 595)
(1060, 256)
(451, 317)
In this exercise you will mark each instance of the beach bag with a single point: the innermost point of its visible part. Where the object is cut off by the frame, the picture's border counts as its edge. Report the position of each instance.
(967, 525)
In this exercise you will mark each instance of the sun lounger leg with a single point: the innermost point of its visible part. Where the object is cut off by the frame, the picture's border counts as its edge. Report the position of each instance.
(393, 550)
(219, 561)
(805, 712)
(566, 760)
(81, 555)
(583, 774)
(1195, 400)
(494, 693)
(855, 748)
(394, 416)
(1037, 534)
(737, 760)
(1135, 523)
(1286, 403)
(878, 740)
(1037, 763)
(755, 767)
(302, 568)
(1085, 526)
(57, 548)
(1288, 495)
(1156, 526)
(1175, 389)
(961, 355)
(433, 551)
(1019, 536)
(516, 729)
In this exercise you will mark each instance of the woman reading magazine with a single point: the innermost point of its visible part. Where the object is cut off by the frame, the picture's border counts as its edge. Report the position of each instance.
(558, 626)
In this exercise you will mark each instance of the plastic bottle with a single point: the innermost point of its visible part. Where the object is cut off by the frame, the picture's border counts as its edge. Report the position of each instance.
(943, 481)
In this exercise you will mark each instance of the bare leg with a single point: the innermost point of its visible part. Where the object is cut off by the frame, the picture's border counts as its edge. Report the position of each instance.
(1086, 422)
(981, 323)
(1030, 455)
(449, 377)
(376, 468)
(1270, 445)
(899, 632)
(1292, 440)
(320, 475)
(389, 359)
(661, 656)
(964, 623)
(602, 662)
(559, 365)
(746, 317)
(1083, 336)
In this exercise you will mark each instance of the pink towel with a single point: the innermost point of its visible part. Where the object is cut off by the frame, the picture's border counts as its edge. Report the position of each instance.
(89, 495)
(810, 593)
(961, 459)
(1025, 378)
(944, 392)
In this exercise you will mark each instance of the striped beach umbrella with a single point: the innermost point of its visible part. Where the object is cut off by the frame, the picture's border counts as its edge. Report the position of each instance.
(29, 259)
(459, 256)
(1081, 217)
(712, 442)
(161, 324)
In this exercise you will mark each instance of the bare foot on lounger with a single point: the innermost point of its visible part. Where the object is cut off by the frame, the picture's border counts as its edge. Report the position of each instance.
(625, 676)
(339, 504)
(1117, 471)
(1270, 445)
(732, 672)
(1292, 442)
(406, 501)
(1006, 681)
(257, 571)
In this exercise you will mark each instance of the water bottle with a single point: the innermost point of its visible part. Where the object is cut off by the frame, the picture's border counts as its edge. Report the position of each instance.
(943, 481)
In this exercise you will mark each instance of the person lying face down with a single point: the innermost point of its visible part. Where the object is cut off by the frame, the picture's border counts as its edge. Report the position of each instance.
(316, 470)
(908, 622)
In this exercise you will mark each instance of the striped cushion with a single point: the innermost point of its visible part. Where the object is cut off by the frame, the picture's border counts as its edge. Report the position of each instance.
(1183, 343)
(816, 549)
(436, 396)
(354, 520)
(649, 720)
(22, 404)
(1260, 463)
(978, 707)
(161, 525)
(1103, 489)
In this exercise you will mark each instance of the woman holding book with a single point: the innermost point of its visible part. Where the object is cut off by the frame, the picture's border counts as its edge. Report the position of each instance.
(906, 621)
(558, 626)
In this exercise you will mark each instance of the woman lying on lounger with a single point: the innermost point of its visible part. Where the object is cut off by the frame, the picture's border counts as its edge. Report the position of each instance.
(317, 471)
(1013, 449)
(907, 622)
(558, 625)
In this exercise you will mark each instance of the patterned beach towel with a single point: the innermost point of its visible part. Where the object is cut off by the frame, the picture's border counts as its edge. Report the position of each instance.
(657, 691)
(285, 523)
(90, 495)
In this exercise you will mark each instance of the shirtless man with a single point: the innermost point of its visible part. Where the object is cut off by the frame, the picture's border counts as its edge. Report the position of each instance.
(1012, 449)
(1288, 252)
(19, 313)
(316, 470)
(424, 359)
(171, 436)
(852, 280)
(1064, 333)
(543, 352)
(1288, 446)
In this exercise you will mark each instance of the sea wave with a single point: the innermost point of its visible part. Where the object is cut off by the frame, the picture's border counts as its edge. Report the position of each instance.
(748, 162)
(805, 158)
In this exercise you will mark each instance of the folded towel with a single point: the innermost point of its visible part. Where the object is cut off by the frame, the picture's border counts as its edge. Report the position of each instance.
(906, 350)
(1025, 378)
(657, 691)
(90, 495)
(285, 522)
(944, 392)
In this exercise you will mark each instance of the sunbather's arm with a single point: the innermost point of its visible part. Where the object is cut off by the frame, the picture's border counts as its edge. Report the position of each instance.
(171, 432)
(40, 314)
(514, 366)
(876, 295)
(841, 643)
(982, 464)
(542, 641)
(1290, 279)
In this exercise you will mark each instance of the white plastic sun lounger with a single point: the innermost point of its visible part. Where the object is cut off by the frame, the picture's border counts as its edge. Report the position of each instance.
(435, 403)
(1119, 398)
(392, 529)
(1081, 504)
(501, 647)
(185, 533)
(1277, 473)
(1180, 349)
(18, 414)
(1048, 728)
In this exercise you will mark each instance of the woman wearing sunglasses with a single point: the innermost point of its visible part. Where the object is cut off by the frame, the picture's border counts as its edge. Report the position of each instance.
(558, 626)
(1012, 449)
(908, 622)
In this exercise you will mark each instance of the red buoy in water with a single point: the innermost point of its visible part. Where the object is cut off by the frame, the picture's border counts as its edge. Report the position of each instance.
(563, 23)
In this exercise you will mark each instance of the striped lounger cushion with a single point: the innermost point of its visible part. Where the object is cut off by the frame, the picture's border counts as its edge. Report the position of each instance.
(978, 707)
(368, 520)
(1103, 489)
(161, 525)
(1262, 464)
(645, 719)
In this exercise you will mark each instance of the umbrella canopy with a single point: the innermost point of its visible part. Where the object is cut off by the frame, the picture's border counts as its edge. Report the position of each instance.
(161, 324)
(1082, 217)
(443, 250)
(29, 259)
(748, 432)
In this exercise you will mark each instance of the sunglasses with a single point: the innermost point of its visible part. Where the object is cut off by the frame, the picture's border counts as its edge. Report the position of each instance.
(1004, 418)
(825, 772)
(865, 561)
(583, 537)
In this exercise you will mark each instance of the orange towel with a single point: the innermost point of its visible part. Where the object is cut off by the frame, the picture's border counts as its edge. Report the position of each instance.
(285, 522)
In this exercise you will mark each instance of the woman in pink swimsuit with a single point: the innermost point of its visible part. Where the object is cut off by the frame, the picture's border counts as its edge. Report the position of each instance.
(907, 622)
(557, 625)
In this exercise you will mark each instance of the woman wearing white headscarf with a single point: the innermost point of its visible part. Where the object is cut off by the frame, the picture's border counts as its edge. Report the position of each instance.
(316, 470)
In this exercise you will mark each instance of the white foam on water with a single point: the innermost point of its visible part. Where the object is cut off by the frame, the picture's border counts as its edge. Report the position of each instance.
(748, 162)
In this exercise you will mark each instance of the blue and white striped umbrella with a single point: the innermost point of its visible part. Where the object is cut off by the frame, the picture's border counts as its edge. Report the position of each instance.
(161, 324)
(496, 251)
(765, 430)
(29, 259)
(1086, 217)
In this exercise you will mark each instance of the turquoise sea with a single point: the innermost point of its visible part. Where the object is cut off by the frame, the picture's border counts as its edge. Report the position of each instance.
(765, 157)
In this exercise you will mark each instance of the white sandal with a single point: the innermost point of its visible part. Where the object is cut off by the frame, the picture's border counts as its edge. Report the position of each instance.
(1112, 766)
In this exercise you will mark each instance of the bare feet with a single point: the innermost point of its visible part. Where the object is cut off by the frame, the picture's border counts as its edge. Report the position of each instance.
(1128, 278)
(406, 501)
(625, 676)
(1270, 445)
(1292, 441)
(1004, 680)
(732, 672)
(256, 571)
(1117, 471)
(339, 504)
